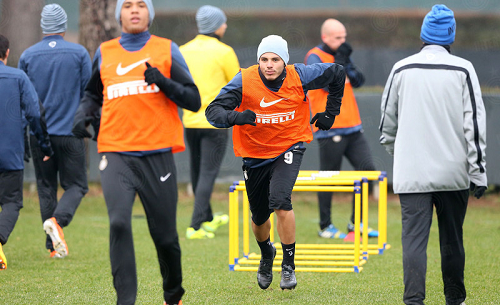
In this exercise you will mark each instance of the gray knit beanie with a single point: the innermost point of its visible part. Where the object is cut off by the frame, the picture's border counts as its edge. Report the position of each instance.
(209, 18)
(54, 19)
(274, 44)
(149, 4)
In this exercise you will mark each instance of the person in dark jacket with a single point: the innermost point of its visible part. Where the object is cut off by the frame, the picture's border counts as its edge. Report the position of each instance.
(18, 99)
(59, 71)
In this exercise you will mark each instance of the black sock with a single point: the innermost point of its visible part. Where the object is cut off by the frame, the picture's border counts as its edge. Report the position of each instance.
(266, 248)
(288, 255)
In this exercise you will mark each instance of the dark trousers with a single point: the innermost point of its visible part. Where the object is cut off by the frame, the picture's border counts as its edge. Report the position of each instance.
(207, 148)
(355, 148)
(69, 162)
(154, 178)
(11, 201)
(416, 211)
(269, 187)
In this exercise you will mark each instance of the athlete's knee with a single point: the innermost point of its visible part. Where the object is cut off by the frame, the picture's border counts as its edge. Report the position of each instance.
(13, 206)
(259, 220)
(166, 241)
(119, 225)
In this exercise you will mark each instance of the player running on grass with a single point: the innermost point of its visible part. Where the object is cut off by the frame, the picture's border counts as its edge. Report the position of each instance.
(18, 97)
(272, 122)
(139, 80)
(212, 64)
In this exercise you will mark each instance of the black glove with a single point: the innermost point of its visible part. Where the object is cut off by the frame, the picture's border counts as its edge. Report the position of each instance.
(27, 152)
(80, 128)
(245, 117)
(153, 76)
(342, 54)
(478, 190)
(96, 124)
(324, 121)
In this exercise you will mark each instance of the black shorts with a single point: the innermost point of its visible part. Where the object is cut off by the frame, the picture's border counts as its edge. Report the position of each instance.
(269, 187)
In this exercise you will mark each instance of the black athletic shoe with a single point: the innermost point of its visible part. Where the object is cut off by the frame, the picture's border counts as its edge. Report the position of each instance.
(288, 280)
(265, 273)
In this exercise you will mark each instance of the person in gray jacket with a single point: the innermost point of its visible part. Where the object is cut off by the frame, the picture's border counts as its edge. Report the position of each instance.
(434, 124)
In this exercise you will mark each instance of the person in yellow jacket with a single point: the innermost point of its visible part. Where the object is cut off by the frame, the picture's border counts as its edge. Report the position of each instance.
(212, 64)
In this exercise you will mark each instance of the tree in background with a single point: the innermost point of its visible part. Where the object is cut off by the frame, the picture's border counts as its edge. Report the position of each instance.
(20, 23)
(97, 23)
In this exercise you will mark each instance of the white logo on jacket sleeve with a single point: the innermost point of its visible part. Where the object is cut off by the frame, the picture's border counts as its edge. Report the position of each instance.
(124, 70)
(264, 104)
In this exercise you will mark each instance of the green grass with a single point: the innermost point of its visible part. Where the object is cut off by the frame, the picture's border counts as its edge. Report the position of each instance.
(84, 277)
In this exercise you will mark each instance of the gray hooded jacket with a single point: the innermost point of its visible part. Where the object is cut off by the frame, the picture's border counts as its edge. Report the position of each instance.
(434, 123)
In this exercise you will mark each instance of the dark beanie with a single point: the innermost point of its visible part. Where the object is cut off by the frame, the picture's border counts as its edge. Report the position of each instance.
(439, 26)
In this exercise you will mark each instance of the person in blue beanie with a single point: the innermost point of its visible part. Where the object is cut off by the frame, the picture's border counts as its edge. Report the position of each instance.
(18, 101)
(59, 70)
(434, 124)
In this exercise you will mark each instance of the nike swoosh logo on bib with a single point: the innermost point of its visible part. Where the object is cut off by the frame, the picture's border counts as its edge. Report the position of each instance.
(122, 71)
(264, 104)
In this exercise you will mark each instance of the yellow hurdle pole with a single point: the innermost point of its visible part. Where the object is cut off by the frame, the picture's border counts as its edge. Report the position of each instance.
(231, 223)
(300, 269)
(271, 232)
(308, 188)
(339, 174)
(365, 217)
(357, 207)
(383, 213)
(236, 244)
(322, 181)
(246, 224)
(380, 241)
(236, 225)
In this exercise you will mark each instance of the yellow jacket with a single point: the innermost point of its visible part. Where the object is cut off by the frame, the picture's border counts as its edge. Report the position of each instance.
(212, 64)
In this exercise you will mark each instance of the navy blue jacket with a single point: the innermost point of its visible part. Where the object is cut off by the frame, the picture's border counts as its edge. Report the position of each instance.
(59, 70)
(18, 96)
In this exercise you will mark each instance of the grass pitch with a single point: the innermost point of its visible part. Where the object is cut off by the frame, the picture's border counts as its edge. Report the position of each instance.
(84, 277)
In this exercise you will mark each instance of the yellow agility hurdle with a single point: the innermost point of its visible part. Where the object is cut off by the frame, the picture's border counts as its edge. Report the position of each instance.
(344, 178)
(380, 176)
(335, 260)
(322, 254)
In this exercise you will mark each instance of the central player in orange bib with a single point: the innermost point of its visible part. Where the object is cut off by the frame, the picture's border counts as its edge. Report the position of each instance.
(268, 108)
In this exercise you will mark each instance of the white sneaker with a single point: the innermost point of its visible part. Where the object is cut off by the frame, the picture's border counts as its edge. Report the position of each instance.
(55, 232)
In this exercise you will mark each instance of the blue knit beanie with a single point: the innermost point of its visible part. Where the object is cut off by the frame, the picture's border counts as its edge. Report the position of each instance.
(274, 44)
(439, 26)
(54, 19)
(149, 4)
(209, 19)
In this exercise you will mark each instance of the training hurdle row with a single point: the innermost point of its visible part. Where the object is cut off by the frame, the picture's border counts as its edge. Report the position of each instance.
(329, 177)
(311, 257)
(348, 178)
